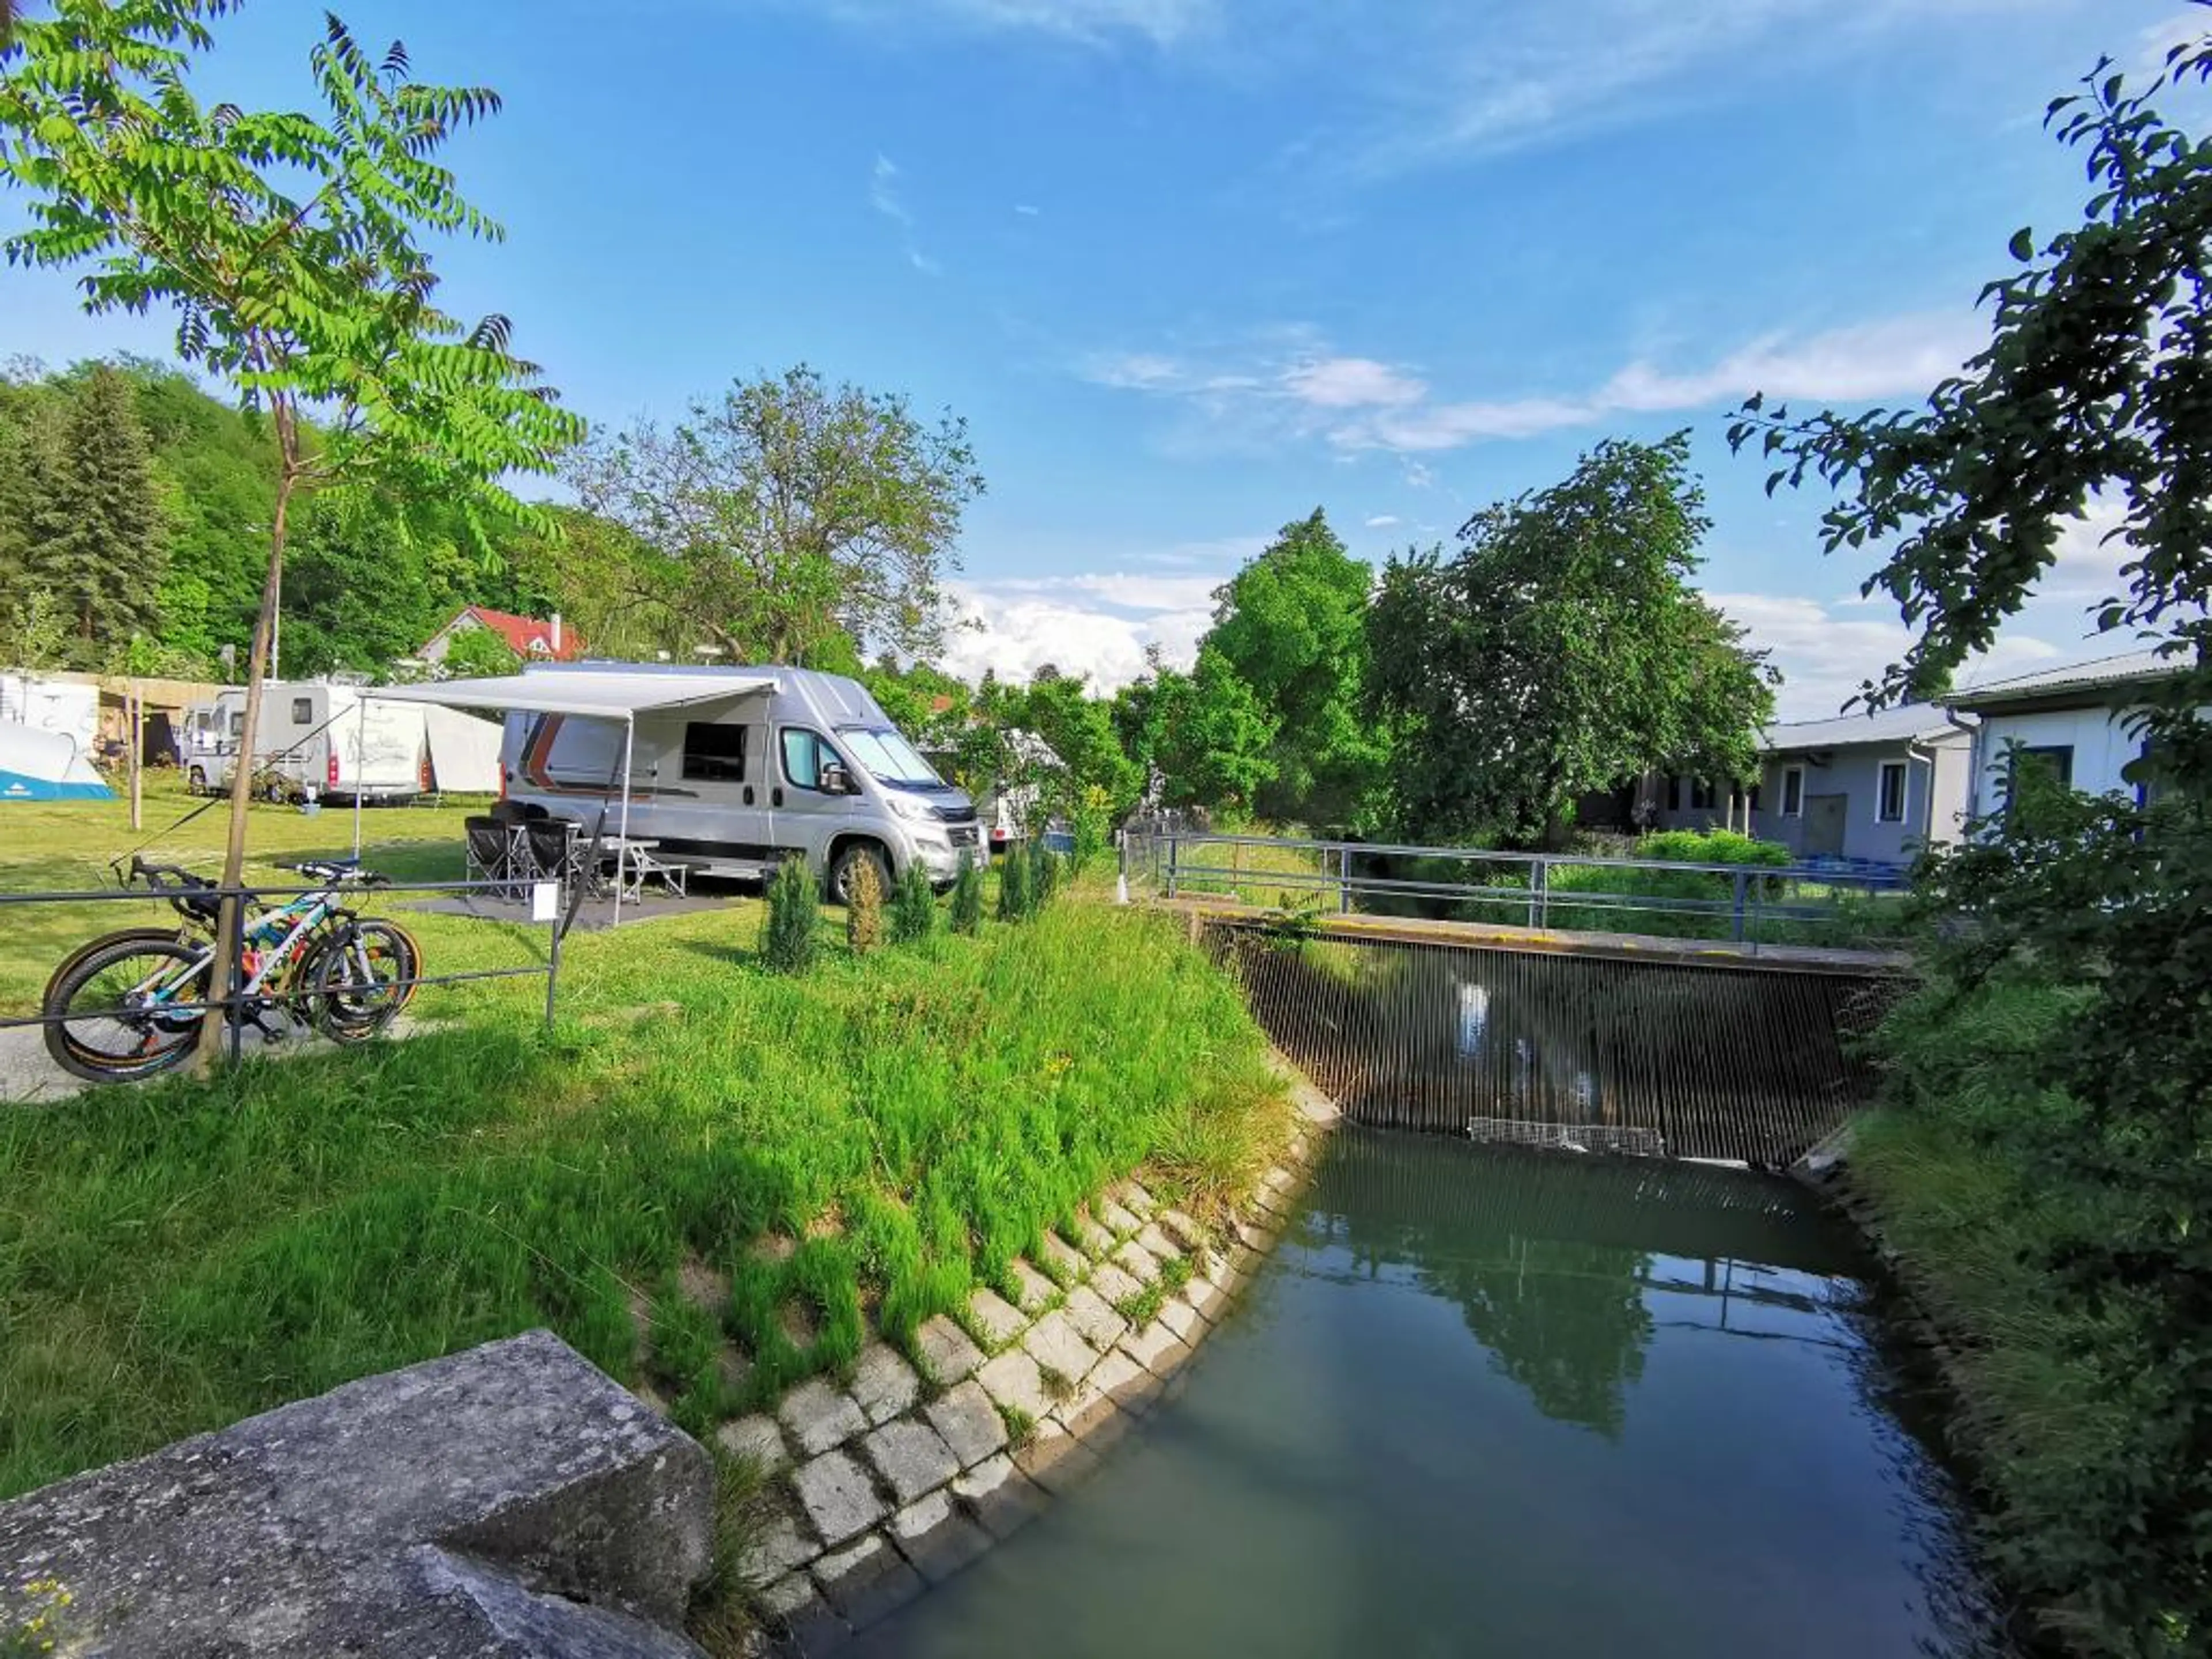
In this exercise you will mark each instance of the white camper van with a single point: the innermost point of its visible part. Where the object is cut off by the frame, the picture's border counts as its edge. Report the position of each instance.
(793, 761)
(336, 740)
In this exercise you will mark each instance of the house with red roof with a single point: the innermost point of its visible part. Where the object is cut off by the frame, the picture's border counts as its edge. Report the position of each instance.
(528, 637)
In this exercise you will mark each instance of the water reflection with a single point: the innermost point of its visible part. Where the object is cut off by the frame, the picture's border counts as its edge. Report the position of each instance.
(1496, 1404)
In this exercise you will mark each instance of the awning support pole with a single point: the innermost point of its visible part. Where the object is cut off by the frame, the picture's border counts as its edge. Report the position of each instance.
(360, 748)
(621, 847)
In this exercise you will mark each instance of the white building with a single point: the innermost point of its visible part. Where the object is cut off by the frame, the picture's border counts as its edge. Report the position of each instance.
(2082, 720)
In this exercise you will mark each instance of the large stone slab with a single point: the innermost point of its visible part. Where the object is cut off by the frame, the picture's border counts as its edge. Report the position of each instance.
(1094, 1319)
(947, 1353)
(968, 1421)
(840, 1498)
(820, 1415)
(1012, 1379)
(1053, 1343)
(995, 1319)
(911, 1456)
(471, 1506)
(1062, 1260)
(1037, 1291)
(937, 1538)
(884, 1384)
(867, 1581)
(1000, 1497)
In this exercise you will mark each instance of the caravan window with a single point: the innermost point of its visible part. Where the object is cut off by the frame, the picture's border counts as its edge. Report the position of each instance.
(238, 724)
(303, 711)
(714, 753)
(802, 758)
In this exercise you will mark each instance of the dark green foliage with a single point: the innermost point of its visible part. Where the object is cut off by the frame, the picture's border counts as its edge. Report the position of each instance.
(1044, 874)
(1560, 650)
(1292, 626)
(864, 907)
(788, 942)
(1205, 732)
(1710, 846)
(913, 906)
(968, 896)
(1015, 870)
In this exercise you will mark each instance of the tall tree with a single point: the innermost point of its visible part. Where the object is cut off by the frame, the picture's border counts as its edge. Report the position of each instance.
(1292, 625)
(796, 522)
(1204, 733)
(288, 247)
(1561, 650)
(101, 536)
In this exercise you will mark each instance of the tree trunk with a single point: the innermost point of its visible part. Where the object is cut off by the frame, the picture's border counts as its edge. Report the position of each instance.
(214, 1031)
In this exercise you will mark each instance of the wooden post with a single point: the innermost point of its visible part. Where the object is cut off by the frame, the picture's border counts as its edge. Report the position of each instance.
(134, 719)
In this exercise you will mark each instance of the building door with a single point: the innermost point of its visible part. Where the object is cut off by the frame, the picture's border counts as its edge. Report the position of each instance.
(1824, 825)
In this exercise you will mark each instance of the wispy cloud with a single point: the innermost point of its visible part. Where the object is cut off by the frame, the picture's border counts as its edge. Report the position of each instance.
(886, 196)
(1383, 521)
(1094, 23)
(1290, 385)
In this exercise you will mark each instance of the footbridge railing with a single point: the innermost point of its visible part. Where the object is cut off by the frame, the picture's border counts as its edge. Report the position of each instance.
(1835, 904)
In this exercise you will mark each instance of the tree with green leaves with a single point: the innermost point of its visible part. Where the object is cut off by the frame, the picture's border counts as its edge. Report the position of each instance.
(1561, 650)
(1204, 733)
(794, 521)
(289, 247)
(98, 538)
(1292, 626)
(478, 653)
(2089, 397)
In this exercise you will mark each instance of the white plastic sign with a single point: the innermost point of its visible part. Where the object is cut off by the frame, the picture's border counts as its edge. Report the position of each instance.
(545, 900)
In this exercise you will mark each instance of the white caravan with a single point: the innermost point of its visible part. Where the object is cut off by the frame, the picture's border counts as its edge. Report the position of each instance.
(793, 762)
(339, 741)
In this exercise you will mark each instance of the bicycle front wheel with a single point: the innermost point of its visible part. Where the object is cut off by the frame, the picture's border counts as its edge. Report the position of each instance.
(112, 1008)
(361, 979)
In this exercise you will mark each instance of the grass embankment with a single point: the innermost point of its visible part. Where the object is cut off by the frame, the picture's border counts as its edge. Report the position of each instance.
(709, 1179)
(2065, 1432)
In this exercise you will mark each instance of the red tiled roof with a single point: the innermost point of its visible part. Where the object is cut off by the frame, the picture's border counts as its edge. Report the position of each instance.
(527, 636)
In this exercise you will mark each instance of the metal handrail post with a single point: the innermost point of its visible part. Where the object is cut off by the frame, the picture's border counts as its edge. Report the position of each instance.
(1742, 879)
(1344, 879)
(1175, 850)
(1539, 892)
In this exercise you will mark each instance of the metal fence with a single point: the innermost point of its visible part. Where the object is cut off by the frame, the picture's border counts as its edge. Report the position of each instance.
(241, 910)
(1554, 892)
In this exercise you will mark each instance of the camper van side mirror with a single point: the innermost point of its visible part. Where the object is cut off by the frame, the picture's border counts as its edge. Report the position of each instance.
(835, 781)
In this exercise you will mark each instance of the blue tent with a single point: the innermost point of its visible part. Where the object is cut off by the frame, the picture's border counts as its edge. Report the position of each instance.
(40, 765)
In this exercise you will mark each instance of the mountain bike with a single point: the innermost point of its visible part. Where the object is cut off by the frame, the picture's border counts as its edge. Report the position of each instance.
(131, 1004)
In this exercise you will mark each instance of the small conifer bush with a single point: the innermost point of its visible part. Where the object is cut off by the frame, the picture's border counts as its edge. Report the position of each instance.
(787, 932)
(968, 896)
(864, 907)
(913, 907)
(1014, 886)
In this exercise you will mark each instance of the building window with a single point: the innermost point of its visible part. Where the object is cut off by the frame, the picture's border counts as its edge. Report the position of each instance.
(1890, 809)
(1673, 794)
(303, 711)
(1792, 792)
(714, 753)
(1701, 796)
(2059, 757)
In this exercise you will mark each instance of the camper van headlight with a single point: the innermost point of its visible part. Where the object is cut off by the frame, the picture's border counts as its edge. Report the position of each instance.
(908, 807)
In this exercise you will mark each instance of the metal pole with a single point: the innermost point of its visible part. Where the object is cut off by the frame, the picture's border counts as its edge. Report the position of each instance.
(1175, 847)
(1740, 880)
(1344, 879)
(134, 719)
(360, 748)
(622, 846)
(234, 1008)
(1536, 885)
(553, 965)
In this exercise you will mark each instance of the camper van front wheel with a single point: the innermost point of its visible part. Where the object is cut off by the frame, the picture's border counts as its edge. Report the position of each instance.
(848, 856)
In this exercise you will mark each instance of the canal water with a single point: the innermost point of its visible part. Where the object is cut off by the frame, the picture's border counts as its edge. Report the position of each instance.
(1483, 1401)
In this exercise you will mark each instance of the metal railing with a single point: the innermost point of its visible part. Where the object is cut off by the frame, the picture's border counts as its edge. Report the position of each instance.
(1551, 892)
(239, 910)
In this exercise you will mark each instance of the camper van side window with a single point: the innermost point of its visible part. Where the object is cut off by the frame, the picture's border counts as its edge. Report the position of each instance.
(303, 711)
(802, 758)
(714, 753)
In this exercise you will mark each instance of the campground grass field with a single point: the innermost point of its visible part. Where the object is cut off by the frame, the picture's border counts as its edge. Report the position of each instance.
(709, 1179)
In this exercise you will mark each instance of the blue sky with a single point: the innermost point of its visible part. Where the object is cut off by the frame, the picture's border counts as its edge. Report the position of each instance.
(1191, 267)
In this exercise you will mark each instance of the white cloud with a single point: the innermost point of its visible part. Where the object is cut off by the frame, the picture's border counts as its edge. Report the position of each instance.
(2154, 44)
(1384, 521)
(1090, 22)
(1280, 386)
(1029, 210)
(884, 197)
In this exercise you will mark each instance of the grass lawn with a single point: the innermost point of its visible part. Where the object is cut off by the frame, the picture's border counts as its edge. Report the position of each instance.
(708, 1179)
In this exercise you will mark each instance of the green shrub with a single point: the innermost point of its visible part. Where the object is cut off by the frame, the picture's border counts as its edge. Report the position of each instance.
(1712, 846)
(968, 896)
(864, 909)
(1014, 870)
(795, 912)
(913, 907)
(1093, 822)
(1044, 874)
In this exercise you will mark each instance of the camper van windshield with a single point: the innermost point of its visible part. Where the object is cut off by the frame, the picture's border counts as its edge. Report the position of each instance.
(889, 757)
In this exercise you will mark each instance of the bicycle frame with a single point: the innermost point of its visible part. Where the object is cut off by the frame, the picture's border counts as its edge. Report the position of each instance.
(290, 925)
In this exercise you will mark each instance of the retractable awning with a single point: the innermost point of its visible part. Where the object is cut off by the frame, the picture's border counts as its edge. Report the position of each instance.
(584, 693)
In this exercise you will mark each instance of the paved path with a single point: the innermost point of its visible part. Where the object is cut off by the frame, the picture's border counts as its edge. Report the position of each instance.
(29, 1076)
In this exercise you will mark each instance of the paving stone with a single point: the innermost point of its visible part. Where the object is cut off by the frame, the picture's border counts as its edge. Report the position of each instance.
(787, 1596)
(1113, 1285)
(819, 1416)
(1157, 1243)
(1138, 1262)
(1093, 1317)
(948, 1352)
(1157, 1348)
(1099, 1425)
(1269, 1206)
(1094, 1239)
(758, 1440)
(1001, 1499)
(1246, 1261)
(1127, 1383)
(839, 1498)
(1012, 1379)
(1209, 1298)
(884, 1384)
(1063, 1261)
(1181, 1228)
(1056, 1459)
(1278, 1179)
(1179, 1316)
(1213, 1268)
(1136, 1198)
(779, 1542)
(1053, 1343)
(867, 1581)
(937, 1538)
(1118, 1220)
(910, 1456)
(996, 1320)
(970, 1422)
(1037, 1291)
(1255, 1239)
